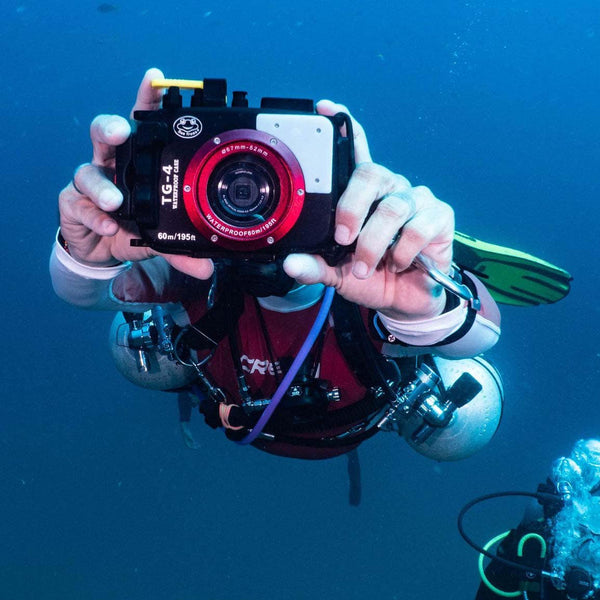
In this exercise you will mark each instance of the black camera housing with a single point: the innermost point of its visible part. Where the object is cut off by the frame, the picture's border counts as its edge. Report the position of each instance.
(218, 181)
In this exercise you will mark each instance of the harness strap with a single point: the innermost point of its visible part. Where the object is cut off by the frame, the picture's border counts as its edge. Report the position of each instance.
(350, 441)
(368, 365)
(370, 404)
(207, 332)
(372, 370)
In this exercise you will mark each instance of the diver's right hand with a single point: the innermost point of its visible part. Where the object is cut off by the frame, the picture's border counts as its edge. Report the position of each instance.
(93, 236)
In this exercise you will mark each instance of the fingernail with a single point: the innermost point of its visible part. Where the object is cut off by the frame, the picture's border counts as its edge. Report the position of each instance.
(116, 127)
(342, 235)
(110, 199)
(360, 270)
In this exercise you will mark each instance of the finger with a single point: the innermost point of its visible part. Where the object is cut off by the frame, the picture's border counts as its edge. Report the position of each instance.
(369, 182)
(108, 132)
(91, 182)
(390, 216)
(430, 231)
(361, 145)
(79, 212)
(148, 98)
(309, 269)
(200, 268)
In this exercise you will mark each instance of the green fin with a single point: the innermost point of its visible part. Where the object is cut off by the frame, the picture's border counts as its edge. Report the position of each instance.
(511, 276)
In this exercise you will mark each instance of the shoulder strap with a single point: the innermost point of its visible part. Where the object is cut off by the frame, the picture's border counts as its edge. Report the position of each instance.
(207, 332)
(368, 365)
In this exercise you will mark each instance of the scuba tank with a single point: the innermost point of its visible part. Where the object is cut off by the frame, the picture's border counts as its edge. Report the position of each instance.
(451, 410)
(144, 354)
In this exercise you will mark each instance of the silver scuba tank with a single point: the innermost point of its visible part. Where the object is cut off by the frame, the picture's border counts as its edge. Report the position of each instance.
(447, 427)
(143, 353)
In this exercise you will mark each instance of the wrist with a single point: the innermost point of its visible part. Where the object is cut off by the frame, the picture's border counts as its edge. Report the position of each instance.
(425, 331)
(433, 306)
(72, 265)
(64, 244)
(452, 323)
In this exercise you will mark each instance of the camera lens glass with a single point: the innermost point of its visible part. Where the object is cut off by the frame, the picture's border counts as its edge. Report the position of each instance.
(243, 190)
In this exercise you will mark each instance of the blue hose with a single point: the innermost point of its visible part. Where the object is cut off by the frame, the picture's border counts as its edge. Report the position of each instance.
(293, 370)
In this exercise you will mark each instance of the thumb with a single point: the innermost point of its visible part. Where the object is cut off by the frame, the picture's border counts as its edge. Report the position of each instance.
(200, 268)
(309, 269)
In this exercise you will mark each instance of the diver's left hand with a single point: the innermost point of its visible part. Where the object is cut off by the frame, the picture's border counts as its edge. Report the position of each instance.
(408, 220)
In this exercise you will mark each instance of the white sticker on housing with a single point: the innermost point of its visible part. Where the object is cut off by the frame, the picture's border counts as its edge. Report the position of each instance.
(310, 138)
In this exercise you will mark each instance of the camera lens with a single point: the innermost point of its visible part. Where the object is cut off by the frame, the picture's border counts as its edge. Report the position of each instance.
(239, 190)
(243, 191)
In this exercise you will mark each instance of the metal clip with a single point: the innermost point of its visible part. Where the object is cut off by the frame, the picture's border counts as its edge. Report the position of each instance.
(450, 282)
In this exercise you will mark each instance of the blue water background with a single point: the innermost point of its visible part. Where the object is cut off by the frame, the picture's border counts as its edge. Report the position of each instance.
(494, 104)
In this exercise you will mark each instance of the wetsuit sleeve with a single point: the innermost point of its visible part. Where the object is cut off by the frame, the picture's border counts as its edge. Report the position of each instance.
(459, 332)
(133, 287)
(82, 285)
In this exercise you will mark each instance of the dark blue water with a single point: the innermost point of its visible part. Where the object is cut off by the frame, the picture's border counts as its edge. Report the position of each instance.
(493, 104)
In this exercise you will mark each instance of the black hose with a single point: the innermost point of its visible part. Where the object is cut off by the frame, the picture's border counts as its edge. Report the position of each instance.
(539, 495)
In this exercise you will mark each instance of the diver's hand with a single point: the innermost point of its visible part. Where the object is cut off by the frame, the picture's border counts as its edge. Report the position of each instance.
(408, 220)
(93, 236)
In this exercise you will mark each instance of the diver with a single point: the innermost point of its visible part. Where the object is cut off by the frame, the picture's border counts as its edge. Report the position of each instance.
(267, 352)
(554, 552)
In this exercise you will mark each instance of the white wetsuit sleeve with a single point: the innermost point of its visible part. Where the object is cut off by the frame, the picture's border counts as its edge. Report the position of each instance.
(82, 285)
(435, 336)
(133, 287)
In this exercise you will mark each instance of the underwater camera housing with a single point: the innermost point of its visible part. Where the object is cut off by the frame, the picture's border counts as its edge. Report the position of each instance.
(211, 180)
